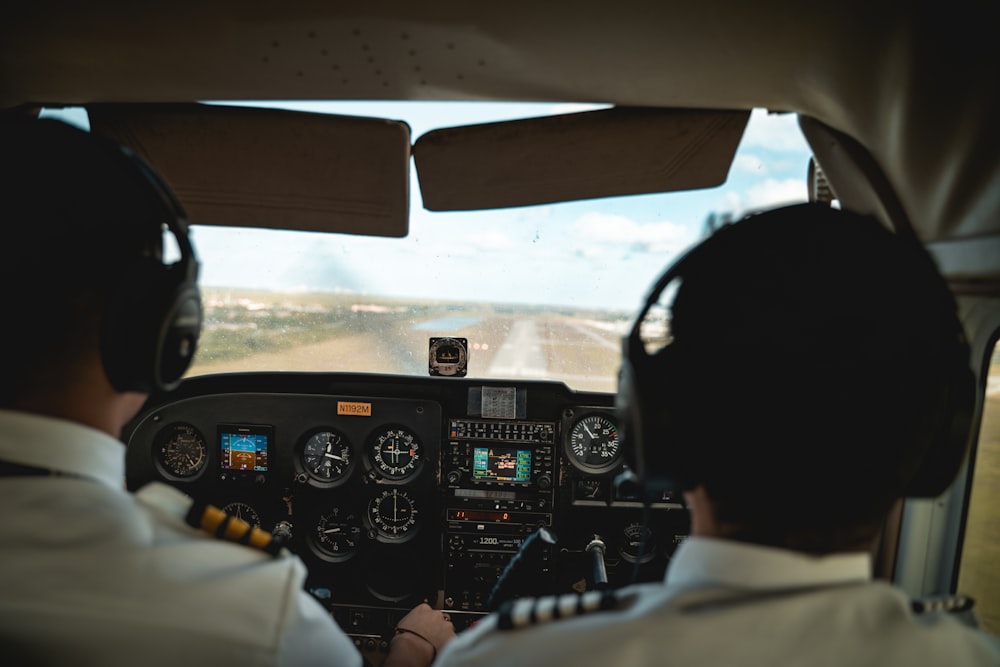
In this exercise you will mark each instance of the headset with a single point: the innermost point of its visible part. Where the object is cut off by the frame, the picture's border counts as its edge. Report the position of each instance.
(646, 418)
(153, 316)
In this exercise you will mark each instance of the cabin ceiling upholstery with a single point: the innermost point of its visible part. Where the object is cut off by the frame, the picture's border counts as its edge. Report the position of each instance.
(917, 88)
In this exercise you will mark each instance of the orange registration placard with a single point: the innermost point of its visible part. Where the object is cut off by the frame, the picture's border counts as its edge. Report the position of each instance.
(356, 409)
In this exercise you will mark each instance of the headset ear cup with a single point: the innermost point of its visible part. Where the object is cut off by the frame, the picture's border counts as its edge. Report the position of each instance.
(646, 422)
(150, 326)
(178, 336)
(628, 413)
(126, 339)
(949, 429)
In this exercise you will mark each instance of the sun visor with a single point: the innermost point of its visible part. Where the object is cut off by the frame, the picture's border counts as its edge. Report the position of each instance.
(246, 167)
(604, 153)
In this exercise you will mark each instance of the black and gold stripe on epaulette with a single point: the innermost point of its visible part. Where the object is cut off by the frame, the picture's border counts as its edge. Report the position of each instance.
(523, 612)
(951, 604)
(217, 523)
(959, 607)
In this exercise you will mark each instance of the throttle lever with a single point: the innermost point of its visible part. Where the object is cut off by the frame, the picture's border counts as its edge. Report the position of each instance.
(597, 548)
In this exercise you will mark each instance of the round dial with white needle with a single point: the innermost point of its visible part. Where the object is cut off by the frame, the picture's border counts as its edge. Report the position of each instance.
(593, 444)
(395, 452)
(393, 515)
(337, 535)
(327, 456)
(243, 511)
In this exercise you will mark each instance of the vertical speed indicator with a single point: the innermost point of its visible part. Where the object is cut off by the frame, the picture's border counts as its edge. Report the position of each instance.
(337, 535)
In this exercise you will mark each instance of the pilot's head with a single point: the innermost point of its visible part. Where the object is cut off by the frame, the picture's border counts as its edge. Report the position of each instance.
(816, 372)
(83, 270)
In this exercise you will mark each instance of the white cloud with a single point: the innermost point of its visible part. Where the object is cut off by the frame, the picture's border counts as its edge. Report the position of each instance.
(491, 240)
(749, 164)
(596, 226)
(535, 213)
(769, 193)
(732, 202)
(607, 229)
(772, 192)
(778, 132)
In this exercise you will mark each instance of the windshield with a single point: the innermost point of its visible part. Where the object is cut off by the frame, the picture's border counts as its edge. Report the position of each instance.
(541, 292)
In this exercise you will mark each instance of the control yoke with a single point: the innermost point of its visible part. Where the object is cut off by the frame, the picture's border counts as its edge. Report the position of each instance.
(523, 566)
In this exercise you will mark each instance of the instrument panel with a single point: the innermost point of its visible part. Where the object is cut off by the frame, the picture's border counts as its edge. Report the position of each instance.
(395, 490)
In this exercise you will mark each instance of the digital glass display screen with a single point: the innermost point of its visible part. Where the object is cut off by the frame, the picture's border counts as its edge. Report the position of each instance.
(501, 464)
(244, 447)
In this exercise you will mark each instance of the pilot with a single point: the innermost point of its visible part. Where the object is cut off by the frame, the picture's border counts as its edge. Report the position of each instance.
(816, 373)
(94, 320)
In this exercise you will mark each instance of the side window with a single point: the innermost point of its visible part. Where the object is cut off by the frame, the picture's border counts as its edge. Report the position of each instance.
(979, 572)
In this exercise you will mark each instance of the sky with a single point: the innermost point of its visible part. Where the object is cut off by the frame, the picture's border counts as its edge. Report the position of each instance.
(595, 254)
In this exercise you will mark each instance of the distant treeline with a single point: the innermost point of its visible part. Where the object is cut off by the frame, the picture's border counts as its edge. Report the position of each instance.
(240, 322)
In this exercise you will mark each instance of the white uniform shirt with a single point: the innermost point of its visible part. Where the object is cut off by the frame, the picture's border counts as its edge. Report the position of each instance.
(94, 575)
(730, 603)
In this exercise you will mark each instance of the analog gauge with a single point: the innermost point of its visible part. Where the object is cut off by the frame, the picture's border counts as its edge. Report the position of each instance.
(244, 512)
(327, 456)
(449, 356)
(337, 535)
(395, 452)
(180, 451)
(393, 515)
(637, 544)
(593, 444)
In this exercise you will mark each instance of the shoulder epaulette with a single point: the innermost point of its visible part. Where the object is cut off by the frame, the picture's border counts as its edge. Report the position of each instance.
(223, 526)
(959, 607)
(953, 604)
(522, 612)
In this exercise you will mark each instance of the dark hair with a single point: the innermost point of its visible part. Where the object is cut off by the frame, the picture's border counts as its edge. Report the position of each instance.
(71, 213)
(812, 351)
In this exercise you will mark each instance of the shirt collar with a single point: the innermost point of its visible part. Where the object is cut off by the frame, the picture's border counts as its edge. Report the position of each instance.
(61, 445)
(702, 561)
